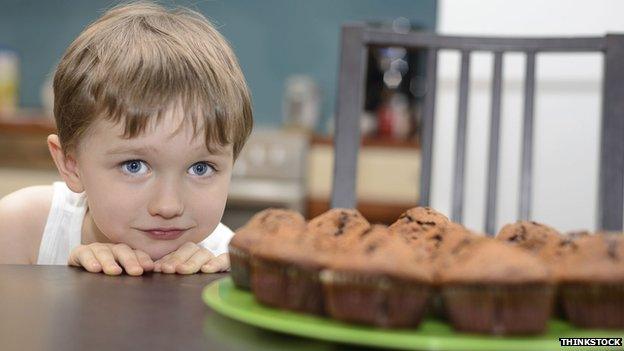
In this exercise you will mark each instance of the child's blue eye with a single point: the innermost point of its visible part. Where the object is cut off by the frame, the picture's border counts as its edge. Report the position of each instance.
(201, 168)
(134, 167)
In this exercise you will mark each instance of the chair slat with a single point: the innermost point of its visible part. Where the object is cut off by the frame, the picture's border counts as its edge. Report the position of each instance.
(427, 127)
(527, 139)
(460, 141)
(376, 36)
(350, 103)
(492, 177)
(611, 183)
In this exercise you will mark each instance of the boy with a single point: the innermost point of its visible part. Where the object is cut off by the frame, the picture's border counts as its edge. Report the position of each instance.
(152, 109)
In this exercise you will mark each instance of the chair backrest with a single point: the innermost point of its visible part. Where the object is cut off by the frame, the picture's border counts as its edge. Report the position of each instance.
(356, 39)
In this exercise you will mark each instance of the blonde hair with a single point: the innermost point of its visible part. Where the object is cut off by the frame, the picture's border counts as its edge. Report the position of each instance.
(139, 61)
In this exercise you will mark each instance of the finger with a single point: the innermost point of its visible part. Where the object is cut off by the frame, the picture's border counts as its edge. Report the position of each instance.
(220, 263)
(180, 256)
(73, 256)
(195, 262)
(128, 259)
(105, 256)
(158, 263)
(144, 260)
(83, 256)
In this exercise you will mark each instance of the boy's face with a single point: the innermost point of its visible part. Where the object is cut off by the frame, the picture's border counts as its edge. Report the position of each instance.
(156, 191)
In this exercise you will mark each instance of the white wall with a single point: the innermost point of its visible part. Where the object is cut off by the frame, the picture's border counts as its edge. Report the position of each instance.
(567, 110)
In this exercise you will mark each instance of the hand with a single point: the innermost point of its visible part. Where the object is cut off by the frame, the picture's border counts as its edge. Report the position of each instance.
(191, 258)
(110, 258)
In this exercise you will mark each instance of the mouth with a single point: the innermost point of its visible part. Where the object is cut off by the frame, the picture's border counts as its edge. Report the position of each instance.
(164, 233)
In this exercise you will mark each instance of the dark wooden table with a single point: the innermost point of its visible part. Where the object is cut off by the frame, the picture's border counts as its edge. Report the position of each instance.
(65, 308)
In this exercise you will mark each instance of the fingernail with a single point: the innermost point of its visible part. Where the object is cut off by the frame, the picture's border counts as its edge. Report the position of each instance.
(113, 270)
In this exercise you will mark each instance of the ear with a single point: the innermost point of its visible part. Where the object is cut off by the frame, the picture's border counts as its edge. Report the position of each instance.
(66, 164)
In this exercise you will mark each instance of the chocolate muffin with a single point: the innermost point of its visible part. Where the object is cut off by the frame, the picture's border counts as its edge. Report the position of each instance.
(565, 245)
(538, 238)
(440, 244)
(553, 257)
(285, 269)
(443, 248)
(495, 288)
(419, 220)
(591, 278)
(380, 280)
(446, 246)
(266, 222)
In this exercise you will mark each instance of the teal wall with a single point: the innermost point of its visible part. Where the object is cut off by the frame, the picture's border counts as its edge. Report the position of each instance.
(272, 38)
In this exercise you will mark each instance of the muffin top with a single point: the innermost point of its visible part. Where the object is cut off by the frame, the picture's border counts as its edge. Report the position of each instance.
(418, 220)
(336, 229)
(450, 246)
(575, 234)
(439, 242)
(380, 251)
(490, 261)
(593, 258)
(538, 238)
(337, 222)
(282, 246)
(565, 245)
(268, 222)
(324, 236)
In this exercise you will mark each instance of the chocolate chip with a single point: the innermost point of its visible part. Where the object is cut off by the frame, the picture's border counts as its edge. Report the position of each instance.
(371, 247)
(367, 231)
(342, 222)
(521, 236)
(406, 217)
(424, 223)
(567, 242)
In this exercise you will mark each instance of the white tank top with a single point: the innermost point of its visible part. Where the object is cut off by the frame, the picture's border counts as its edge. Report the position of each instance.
(63, 229)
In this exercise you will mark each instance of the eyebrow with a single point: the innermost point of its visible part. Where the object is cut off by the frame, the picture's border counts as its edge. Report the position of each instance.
(144, 150)
(141, 150)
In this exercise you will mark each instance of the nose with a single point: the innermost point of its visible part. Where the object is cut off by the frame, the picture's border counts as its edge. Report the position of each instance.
(166, 201)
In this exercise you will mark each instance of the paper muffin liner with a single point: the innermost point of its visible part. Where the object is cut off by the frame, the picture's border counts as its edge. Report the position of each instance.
(594, 305)
(374, 299)
(287, 285)
(435, 307)
(558, 308)
(499, 309)
(240, 267)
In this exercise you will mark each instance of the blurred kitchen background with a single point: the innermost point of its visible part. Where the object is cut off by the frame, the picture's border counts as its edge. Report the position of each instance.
(289, 52)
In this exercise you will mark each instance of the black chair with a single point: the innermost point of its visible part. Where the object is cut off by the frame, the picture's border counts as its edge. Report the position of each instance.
(356, 39)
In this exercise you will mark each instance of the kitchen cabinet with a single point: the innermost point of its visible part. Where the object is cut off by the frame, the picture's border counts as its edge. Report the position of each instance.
(24, 156)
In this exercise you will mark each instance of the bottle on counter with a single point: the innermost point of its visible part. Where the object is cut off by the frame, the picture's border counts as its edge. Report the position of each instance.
(9, 80)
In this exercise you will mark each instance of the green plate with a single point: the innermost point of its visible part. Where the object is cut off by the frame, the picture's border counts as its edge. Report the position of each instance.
(432, 334)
